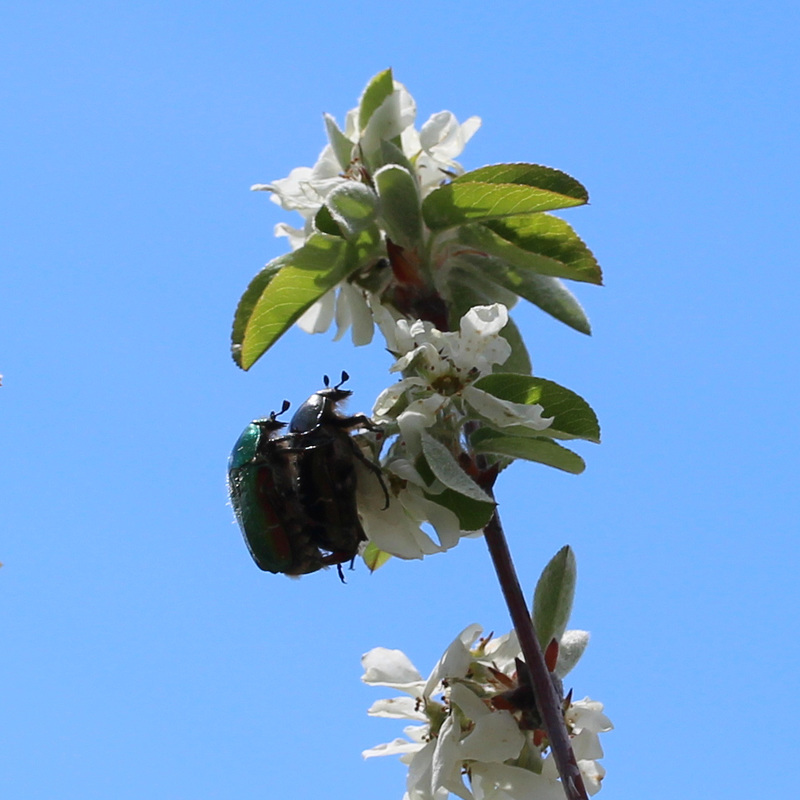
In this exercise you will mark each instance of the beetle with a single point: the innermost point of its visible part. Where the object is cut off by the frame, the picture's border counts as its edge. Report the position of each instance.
(264, 499)
(294, 494)
(326, 475)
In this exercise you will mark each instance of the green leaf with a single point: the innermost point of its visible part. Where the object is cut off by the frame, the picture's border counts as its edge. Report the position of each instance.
(473, 515)
(400, 205)
(540, 243)
(447, 470)
(552, 600)
(353, 206)
(539, 449)
(458, 203)
(467, 287)
(374, 557)
(390, 153)
(248, 302)
(547, 178)
(519, 361)
(553, 242)
(548, 293)
(289, 285)
(378, 89)
(573, 417)
(325, 223)
(342, 146)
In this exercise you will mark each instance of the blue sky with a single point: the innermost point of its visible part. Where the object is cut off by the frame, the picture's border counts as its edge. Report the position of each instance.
(144, 655)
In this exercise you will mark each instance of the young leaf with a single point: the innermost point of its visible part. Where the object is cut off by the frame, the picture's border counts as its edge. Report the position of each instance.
(390, 153)
(552, 600)
(276, 298)
(378, 89)
(531, 448)
(400, 205)
(547, 245)
(473, 515)
(325, 223)
(374, 557)
(447, 470)
(353, 206)
(573, 417)
(342, 146)
(570, 650)
(457, 203)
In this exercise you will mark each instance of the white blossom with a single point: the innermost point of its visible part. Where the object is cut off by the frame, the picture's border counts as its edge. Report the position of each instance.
(459, 732)
(445, 367)
(431, 151)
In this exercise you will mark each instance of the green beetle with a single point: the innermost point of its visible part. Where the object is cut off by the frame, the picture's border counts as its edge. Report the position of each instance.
(264, 499)
(294, 494)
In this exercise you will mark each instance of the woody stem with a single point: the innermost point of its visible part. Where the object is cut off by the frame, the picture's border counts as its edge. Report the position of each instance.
(547, 701)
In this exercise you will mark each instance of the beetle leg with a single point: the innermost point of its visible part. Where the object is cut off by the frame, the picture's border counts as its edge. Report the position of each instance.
(374, 468)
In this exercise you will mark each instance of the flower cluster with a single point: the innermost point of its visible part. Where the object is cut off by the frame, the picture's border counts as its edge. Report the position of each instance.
(428, 408)
(431, 151)
(347, 170)
(467, 725)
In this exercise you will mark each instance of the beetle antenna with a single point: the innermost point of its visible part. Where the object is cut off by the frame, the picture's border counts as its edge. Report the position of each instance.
(345, 377)
(284, 408)
(326, 380)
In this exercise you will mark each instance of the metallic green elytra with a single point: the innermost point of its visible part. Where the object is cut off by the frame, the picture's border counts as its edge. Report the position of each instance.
(262, 491)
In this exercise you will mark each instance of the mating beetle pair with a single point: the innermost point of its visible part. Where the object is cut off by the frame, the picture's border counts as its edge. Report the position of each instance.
(294, 494)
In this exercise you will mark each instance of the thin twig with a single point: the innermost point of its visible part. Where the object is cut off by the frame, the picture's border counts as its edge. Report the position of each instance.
(546, 699)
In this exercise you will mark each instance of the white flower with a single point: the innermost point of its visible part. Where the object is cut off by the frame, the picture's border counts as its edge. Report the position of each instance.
(459, 731)
(436, 146)
(431, 152)
(446, 365)
(397, 529)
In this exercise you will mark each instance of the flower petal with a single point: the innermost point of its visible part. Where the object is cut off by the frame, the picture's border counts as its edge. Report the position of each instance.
(385, 667)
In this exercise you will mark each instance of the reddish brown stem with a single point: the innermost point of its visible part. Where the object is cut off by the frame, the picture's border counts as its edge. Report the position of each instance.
(546, 699)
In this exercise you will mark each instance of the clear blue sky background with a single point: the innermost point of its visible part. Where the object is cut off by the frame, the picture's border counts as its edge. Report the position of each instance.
(143, 654)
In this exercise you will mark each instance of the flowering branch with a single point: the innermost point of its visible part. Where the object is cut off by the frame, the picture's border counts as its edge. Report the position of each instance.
(396, 235)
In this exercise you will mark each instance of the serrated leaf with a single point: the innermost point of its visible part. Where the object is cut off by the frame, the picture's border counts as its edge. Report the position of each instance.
(573, 417)
(458, 203)
(400, 205)
(353, 206)
(554, 239)
(531, 448)
(274, 301)
(342, 146)
(541, 177)
(546, 245)
(378, 89)
(447, 470)
(473, 515)
(555, 592)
